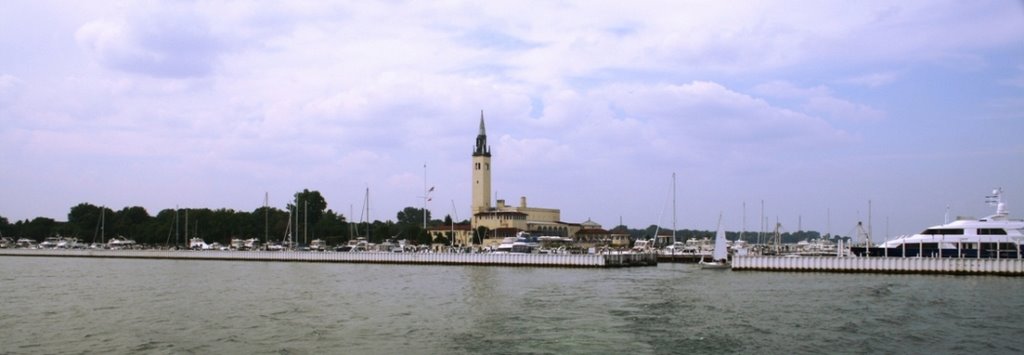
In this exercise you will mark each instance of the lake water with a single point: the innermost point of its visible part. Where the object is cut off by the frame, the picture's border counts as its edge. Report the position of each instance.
(80, 305)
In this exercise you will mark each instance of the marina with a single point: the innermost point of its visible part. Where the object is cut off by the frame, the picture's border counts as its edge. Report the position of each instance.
(480, 259)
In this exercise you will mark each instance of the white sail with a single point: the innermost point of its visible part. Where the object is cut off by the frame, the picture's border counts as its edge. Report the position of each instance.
(720, 253)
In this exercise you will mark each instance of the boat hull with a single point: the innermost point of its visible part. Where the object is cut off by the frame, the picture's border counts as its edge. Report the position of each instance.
(714, 265)
(911, 251)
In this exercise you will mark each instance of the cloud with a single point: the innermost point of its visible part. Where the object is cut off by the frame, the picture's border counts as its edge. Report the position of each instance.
(784, 89)
(525, 152)
(1008, 108)
(699, 123)
(10, 88)
(1016, 79)
(820, 100)
(873, 80)
(165, 45)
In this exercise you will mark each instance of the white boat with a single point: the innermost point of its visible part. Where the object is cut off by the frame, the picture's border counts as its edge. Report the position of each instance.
(69, 243)
(720, 256)
(50, 243)
(995, 236)
(198, 244)
(25, 243)
(355, 245)
(120, 242)
(318, 245)
(506, 246)
(643, 246)
(816, 247)
(252, 244)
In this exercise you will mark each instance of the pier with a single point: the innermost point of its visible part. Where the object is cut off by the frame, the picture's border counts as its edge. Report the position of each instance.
(682, 258)
(884, 265)
(482, 259)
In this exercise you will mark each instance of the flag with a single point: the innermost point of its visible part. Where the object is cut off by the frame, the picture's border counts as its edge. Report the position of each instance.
(431, 189)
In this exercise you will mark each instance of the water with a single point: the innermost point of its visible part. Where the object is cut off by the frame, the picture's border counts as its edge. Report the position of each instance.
(72, 305)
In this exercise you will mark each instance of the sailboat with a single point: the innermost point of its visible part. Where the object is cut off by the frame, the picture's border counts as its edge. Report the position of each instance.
(719, 258)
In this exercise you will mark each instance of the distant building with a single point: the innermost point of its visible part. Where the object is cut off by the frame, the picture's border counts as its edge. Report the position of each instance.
(592, 235)
(502, 220)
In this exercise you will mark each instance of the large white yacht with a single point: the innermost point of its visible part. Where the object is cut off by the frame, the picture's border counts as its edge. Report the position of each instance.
(995, 236)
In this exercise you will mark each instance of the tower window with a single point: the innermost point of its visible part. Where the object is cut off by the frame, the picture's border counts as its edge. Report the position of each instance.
(477, 166)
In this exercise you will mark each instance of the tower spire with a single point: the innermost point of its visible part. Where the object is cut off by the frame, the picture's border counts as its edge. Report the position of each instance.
(483, 132)
(481, 140)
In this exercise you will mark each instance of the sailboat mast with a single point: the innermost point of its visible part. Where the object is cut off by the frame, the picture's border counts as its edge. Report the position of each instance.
(266, 217)
(869, 224)
(743, 229)
(673, 208)
(760, 233)
(425, 196)
(103, 224)
(305, 222)
(455, 215)
(828, 222)
(368, 214)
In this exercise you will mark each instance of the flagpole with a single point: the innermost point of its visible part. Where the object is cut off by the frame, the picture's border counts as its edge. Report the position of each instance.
(425, 194)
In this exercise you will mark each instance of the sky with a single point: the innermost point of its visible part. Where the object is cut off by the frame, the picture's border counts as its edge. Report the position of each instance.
(825, 112)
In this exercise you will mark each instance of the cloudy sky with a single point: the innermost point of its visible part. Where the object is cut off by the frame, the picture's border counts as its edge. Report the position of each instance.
(813, 107)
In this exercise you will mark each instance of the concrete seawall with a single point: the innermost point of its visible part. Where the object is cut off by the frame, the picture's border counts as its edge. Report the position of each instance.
(533, 260)
(952, 266)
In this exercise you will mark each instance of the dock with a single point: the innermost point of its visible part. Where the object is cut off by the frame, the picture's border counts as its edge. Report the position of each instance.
(480, 259)
(682, 258)
(883, 265)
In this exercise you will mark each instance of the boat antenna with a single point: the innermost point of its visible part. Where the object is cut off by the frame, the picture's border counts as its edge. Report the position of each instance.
(996, 199)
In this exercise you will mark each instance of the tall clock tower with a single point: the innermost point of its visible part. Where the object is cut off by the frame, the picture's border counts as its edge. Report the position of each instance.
(481, 171)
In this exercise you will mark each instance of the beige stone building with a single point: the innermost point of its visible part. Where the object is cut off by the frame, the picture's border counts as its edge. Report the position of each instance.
(503, 220)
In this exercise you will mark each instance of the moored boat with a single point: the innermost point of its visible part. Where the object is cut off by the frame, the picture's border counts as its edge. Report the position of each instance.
(995, 236)
(120, 242)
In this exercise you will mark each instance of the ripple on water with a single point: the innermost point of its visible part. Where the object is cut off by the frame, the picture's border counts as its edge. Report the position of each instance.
(169, 306)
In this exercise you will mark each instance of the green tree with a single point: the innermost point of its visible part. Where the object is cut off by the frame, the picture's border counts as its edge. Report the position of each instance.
(311, 202)
(38, 228)
(5, 227)
(333, 228)
(411, 216)
(84, 218)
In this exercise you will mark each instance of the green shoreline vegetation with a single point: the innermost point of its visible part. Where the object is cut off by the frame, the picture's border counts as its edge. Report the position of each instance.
(223, 224)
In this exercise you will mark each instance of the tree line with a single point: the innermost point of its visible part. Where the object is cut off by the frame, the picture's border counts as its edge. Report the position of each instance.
(306, 218)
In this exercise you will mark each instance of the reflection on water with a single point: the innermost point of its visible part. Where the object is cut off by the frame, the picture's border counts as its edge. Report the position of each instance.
(70, 305)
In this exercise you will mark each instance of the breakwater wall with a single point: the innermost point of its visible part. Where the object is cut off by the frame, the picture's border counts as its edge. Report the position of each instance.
(539, 260)
(682, 258)
(892, 265)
